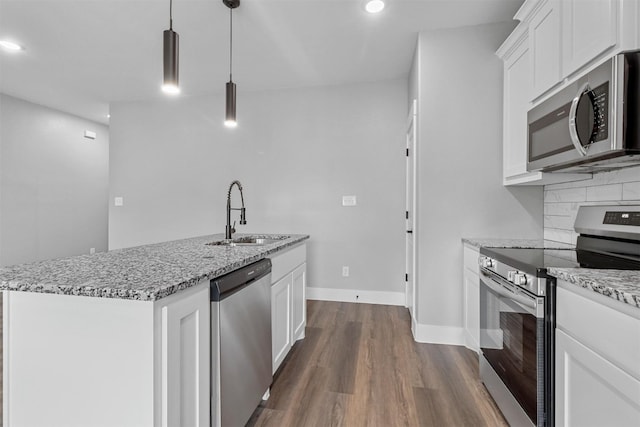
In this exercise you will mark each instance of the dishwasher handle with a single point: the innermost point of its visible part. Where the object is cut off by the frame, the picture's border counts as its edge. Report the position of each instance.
(227, 285)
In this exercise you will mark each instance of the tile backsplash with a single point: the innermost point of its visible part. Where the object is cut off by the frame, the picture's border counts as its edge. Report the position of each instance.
(561, 201)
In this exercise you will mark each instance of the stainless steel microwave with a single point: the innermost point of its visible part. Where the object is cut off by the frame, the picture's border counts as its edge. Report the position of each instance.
(592, 124)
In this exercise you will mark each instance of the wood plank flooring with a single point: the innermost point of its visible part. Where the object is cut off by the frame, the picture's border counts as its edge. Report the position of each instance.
(359, 366)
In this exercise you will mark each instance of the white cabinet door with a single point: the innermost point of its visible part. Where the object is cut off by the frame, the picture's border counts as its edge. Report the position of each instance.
(471, 301)
(298, 302)
(472, 310)
(517, 94)
(589, 27)
(280, 320)
(545, 45)
(591, 391)
(185, 347)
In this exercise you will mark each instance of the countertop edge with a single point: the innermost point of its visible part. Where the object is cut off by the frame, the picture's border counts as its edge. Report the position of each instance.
(603, 282)
(492, 242)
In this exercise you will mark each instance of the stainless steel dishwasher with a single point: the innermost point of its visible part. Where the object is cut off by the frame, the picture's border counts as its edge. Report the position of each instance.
(241, 343)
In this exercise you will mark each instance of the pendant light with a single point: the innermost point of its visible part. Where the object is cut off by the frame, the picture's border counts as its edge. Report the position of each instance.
(170, 57)
(230, 116)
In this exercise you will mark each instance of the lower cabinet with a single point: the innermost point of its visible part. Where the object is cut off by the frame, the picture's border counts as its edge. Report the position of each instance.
(288, 301)
(280, 320)
(471, 303)
(183, 325)
(86, 361)
(298, 302)
(590, 390)
(597, 354)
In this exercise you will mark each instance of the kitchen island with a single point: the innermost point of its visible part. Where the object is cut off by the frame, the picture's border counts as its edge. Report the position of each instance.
(116, 338)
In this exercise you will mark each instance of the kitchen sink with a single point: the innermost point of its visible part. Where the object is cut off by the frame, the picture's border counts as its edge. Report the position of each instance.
(249, 241)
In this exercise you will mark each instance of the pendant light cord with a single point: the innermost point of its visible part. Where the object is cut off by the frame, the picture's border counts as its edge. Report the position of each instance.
(171, 14)
(230, 41)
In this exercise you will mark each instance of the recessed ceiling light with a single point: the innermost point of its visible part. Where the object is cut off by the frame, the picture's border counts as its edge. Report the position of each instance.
(374, 6)
(6, 44)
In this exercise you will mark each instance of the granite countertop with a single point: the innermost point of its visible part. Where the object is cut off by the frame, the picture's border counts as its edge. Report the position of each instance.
(145, 273)
(621, 285)
(516, 243)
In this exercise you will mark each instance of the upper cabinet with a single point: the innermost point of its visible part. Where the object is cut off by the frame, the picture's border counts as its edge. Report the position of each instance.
(555, 42)
(589, 28)
(546, 52)
(517, 96)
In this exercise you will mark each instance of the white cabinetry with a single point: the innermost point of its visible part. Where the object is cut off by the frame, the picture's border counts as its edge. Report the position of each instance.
(288, 301)
(517, 96)
(471, 297)
(88, 361)
(597, 354)
(183, 349)
(298, 302)
(280, 320)
(589, 27)
(544, 42)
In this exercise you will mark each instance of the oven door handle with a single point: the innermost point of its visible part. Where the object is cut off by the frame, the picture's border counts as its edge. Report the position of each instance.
(508, 291)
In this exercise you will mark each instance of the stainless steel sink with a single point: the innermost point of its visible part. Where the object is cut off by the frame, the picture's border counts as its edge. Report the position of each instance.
(248, 241)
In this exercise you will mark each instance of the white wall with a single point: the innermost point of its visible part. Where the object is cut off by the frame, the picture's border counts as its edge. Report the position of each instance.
(561, 201)
(460, 168)
(296, 152)
(53, 183)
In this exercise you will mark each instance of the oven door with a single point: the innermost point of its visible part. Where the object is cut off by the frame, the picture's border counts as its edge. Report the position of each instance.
(512, 341)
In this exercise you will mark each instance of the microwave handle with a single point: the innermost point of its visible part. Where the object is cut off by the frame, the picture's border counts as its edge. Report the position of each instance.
(573, 130)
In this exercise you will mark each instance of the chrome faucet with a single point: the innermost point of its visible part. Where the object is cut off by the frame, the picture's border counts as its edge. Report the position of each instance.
(229, 230)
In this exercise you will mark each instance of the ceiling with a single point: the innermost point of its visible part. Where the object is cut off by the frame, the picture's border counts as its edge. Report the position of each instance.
(81, 55)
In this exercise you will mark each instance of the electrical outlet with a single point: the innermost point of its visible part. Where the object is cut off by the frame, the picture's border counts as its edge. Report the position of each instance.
(345, 271)
(118, 201)
(92, 250)
(349, 201)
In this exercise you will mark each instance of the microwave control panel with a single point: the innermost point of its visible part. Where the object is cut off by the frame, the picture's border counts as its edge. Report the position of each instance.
(600, 101)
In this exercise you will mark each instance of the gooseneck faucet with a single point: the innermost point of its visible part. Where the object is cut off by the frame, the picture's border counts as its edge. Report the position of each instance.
(229, 230)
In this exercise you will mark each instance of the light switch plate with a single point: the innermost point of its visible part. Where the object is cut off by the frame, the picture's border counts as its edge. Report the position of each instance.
(349, 201)
(118, 201)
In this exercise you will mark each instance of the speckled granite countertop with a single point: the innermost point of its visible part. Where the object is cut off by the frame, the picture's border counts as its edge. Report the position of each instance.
(621, 285)
(145, 273)
(515, 243)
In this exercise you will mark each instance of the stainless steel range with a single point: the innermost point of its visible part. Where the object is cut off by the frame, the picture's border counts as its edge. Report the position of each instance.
(517, 308)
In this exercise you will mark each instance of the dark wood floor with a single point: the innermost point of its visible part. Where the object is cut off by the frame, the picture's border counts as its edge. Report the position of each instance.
(359, 366)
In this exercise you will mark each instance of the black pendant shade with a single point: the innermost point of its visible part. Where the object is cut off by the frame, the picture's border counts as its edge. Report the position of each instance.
(230, 118)
(170, 62)
(170, 41)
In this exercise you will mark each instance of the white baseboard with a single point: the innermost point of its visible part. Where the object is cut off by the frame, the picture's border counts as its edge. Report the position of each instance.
(470, 342)
(434, 334)
(351, 295)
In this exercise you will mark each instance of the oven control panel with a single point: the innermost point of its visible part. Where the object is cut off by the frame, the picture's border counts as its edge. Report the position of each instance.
(622, 218)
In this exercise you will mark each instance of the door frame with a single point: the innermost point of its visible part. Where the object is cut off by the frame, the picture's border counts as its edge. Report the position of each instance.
(411, 204)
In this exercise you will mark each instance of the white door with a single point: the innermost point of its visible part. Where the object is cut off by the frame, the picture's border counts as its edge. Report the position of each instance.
(410, 239)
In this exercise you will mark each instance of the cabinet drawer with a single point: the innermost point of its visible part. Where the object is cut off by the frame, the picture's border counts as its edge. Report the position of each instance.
(287, 260)
(471, 255)
(611, 333)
